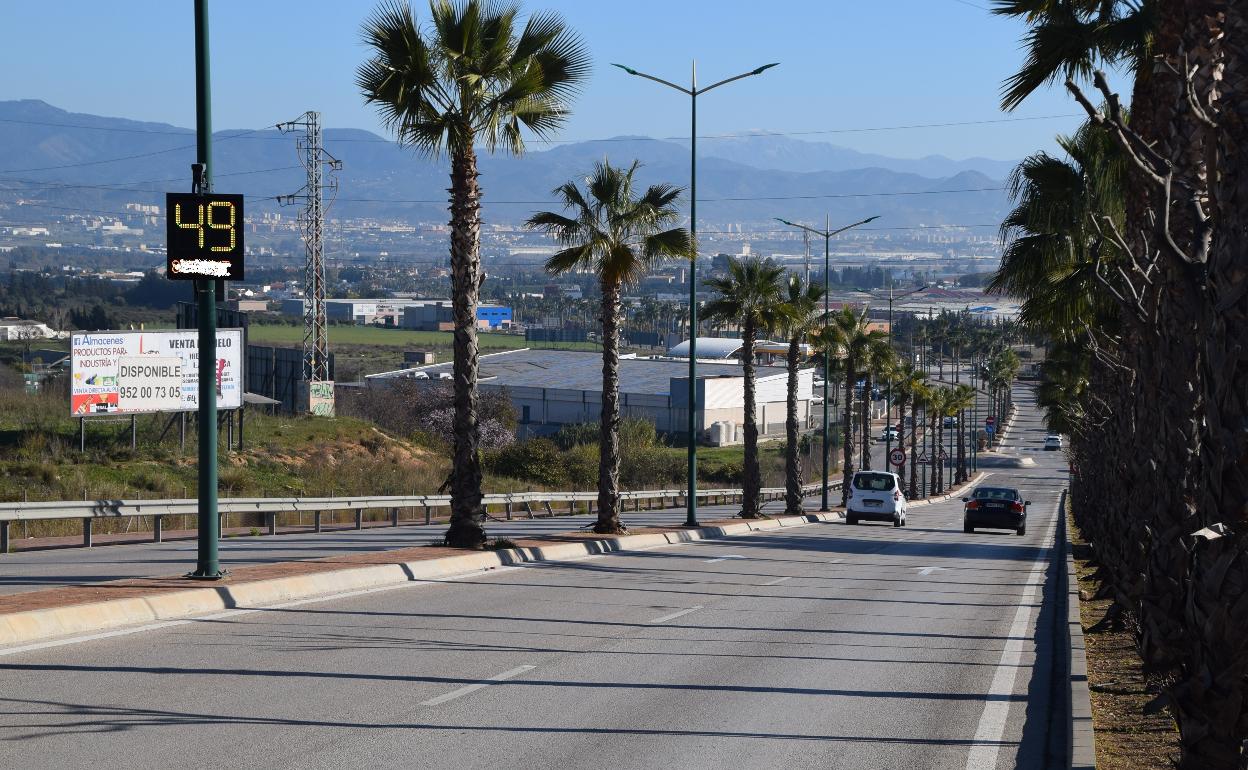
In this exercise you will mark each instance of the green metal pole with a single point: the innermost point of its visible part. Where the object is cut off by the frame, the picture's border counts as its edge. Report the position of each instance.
(827, 310)
(208, 565)
(691, 508)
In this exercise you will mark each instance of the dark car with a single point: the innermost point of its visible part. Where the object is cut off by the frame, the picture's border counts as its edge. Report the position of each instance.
(995, 508)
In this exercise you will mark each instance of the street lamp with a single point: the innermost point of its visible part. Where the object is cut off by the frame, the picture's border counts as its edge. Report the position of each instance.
(691, 499)
(827, 232)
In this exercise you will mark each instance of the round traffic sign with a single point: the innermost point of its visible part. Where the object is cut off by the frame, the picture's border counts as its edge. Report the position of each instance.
(897, 457)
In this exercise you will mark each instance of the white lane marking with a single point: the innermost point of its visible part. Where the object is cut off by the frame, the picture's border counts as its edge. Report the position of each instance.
(723, 558)
(836, 561)
(992, 722)
(674, 615)
(778, 581)
(452, 695)
(929, 570)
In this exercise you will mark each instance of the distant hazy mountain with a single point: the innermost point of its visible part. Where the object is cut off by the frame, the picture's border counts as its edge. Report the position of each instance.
(786, 153)
(73, 160)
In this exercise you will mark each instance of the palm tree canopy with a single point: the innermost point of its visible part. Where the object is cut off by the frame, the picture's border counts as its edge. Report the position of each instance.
(609, 231)
(849, 336)
(1052, 244)
(801, 314)
(473, 73)
(749, 294)
(1070, 38)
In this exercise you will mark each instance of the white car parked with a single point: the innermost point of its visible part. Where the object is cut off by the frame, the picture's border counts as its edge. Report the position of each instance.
(1052, 442)
(875, 496)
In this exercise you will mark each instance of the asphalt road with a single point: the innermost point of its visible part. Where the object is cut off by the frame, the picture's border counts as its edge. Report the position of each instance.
(825, 646)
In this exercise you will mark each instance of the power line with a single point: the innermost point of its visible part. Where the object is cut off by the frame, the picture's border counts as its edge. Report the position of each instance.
(41, 184)
(732, 135)
(124, 157)
(487, 201)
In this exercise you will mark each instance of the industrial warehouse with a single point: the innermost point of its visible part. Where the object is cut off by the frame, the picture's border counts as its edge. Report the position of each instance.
(553, 388)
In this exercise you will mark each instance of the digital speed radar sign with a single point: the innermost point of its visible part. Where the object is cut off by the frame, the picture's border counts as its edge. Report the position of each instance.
(205, 236)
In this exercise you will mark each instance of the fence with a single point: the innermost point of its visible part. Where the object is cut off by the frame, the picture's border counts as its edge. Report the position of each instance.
(510, 504)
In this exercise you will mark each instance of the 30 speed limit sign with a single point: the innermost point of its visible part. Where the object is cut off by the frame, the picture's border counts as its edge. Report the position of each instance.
(897, 457)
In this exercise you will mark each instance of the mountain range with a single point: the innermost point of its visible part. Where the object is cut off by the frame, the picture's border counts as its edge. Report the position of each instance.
(72, 161)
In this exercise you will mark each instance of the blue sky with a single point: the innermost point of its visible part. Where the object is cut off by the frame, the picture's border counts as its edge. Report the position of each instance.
(844, 64)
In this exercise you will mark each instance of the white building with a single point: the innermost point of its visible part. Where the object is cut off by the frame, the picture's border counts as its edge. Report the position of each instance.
(553, 388)
(14, 329)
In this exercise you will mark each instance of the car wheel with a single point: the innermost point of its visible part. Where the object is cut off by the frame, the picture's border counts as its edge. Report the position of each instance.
(851, 519)
(967, 527)
(1022, 530)
(897, 521)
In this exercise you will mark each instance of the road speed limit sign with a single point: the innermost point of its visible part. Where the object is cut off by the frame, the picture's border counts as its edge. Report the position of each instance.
(897, 457)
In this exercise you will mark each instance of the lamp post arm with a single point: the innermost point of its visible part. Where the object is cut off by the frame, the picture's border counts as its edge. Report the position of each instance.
(831, 233)
(667, 83)
(725, 81)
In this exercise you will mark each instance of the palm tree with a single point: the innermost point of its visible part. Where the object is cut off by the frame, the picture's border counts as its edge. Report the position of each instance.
(963, 398)
(877, 364)
(920, 394)
(906, 392)
(802, 317)
(474, 76)
(750, 295)
(1069, 39)
(620, 237)
(848, 337)
(936, 403)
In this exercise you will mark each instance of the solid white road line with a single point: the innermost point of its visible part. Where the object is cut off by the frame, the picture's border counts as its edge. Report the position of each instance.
(992, 722)
(452, 695)
(723, 558)
(674, 615)
(778, 581)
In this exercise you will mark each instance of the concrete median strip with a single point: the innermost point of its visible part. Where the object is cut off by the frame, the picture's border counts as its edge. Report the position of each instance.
(33, 625)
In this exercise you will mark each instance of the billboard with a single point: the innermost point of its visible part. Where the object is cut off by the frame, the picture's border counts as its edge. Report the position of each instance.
(131, 372)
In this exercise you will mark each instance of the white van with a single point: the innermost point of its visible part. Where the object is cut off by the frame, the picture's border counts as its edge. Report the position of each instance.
(875, 496)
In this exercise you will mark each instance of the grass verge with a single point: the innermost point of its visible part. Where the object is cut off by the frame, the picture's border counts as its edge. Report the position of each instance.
(1126, 737)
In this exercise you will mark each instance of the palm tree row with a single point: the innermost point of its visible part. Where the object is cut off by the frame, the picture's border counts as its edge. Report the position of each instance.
(1128, 254)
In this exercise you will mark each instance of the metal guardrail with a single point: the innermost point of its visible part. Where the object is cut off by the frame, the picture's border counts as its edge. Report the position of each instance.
(90, 510)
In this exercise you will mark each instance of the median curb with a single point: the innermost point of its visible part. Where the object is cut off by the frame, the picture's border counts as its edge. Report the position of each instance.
(29, 626)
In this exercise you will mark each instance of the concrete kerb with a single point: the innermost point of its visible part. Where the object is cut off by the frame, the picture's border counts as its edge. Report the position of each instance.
(1080, 736)
(45, 624)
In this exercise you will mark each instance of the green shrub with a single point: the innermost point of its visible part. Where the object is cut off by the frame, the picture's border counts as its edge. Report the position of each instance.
(536, 460)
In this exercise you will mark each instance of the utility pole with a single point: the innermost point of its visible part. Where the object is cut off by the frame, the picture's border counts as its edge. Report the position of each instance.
(806, 251)
(312, 223)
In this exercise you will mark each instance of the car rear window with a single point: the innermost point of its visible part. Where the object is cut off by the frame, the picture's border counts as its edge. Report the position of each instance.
(874, 482)
(995, 493)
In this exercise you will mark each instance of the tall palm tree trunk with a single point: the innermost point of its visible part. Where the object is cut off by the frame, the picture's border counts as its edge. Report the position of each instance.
(901, 441)
(609, 428)
(865, 461)
(962, 475)
(751, 486)
(792, 462)
(847, 443)
(914, 455)
(467, 513)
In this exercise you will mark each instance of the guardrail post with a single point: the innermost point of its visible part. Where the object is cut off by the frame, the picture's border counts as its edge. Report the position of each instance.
(508, 509)
(316, 521)
(394, 517)
(359, 518)
(589, 507)
(4, 537)
(528, 508)
(270, 520)
(428, 514)
(86, 533)
(157, 529)
(549, 510)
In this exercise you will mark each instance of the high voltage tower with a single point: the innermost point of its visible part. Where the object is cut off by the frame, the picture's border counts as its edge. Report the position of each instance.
(312, 222)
